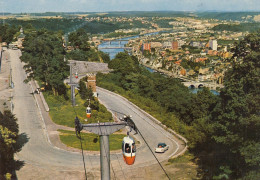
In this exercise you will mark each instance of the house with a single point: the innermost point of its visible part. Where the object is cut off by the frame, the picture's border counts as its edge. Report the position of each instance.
(163, 53)
(167, 45)
(203, 70)
(183, 72)
(170, 58)
(156, 45)
(191, 72)
(178, 62)
(200, 59)
(195, 44)
(175, 45)
(146, 47)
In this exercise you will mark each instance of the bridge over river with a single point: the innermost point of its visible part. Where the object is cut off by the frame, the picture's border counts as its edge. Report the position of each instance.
(198, 84)
(108, 47)
(186, 81)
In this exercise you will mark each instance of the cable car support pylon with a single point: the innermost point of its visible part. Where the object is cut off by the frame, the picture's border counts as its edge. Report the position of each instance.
(104, 130)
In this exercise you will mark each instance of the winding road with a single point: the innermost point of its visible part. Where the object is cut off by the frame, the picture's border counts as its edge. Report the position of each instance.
(39, 152)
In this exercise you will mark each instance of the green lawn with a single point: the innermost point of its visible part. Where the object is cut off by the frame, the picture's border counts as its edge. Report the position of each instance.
(90, 141)
(62, 112)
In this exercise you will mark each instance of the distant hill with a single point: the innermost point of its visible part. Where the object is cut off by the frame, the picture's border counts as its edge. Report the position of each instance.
(149, 14)
(233, 16)
(243, 27)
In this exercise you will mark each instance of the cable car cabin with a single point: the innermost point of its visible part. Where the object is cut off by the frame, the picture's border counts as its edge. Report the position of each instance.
(88, 112)
(129, 150)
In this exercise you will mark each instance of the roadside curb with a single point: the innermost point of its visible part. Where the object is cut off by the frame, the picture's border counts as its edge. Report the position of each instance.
(42, 97)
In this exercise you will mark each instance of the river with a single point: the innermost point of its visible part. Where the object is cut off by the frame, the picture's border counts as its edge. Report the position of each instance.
(119, 47)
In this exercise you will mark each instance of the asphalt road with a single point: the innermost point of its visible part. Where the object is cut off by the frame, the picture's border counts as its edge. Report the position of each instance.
(39, 152)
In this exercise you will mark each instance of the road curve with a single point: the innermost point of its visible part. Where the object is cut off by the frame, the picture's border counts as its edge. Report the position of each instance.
(38, 151)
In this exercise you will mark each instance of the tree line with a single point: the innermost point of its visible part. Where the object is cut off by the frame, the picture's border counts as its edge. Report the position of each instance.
(43, 55)
(223, 131)
(11, 142)
(51, 24)
(243, 27)
(82, 50)
(7, 32)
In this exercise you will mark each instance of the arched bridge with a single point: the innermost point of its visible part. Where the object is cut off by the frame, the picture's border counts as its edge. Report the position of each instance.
(114, 41)
(195, 84)
(108, 47)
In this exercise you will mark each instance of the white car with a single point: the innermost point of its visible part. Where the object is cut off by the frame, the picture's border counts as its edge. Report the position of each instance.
(161, 148)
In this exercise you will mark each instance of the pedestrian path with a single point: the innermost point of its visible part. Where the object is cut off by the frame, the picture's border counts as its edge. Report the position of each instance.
(5, 90)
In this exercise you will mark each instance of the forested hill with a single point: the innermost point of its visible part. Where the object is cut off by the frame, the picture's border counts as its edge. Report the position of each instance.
(233, 16)
(51, 24)
(243, 27)
(70, 25)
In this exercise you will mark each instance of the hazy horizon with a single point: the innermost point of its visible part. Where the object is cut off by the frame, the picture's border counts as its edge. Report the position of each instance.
(41, 6)
(129, 11)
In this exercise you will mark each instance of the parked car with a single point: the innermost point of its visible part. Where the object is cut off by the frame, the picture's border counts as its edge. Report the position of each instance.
(161, 148)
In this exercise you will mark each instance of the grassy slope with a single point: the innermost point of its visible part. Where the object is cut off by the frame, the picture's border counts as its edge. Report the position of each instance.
(62, 112)
(90, 141)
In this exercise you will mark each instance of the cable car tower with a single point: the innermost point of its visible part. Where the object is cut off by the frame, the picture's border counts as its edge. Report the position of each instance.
(104, 130)
(72, 83)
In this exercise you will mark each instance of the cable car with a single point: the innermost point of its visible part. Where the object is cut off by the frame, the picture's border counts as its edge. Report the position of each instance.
(88, 112)
(129, 150)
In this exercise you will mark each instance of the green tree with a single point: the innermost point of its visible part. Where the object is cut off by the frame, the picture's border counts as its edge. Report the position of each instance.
(203, 103)
(124, 63)
(236, 118)
(7, 33)
(83, 90)
(79, 40)
(104, 56)
(11, 142)
(44, 57)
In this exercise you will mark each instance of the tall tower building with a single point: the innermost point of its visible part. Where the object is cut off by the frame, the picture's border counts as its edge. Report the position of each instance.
(213, 44)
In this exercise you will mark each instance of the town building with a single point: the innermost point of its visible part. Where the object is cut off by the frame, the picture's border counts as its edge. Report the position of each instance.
(213, 44)
(147, 47)
(175, 45)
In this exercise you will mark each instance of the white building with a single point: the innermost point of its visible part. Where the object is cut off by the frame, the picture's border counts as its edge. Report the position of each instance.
(213, 44)
(167, 44)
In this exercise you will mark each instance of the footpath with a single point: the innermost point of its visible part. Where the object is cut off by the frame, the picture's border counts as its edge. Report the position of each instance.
(49, 127)
(5, 89)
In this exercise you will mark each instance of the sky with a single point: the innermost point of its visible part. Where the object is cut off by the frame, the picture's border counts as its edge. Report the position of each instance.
(31, 6)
